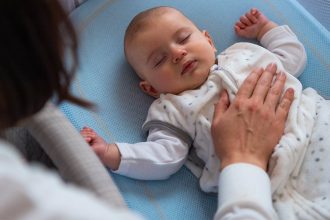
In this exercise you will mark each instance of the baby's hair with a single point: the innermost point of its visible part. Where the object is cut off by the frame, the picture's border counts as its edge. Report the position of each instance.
(140, 20)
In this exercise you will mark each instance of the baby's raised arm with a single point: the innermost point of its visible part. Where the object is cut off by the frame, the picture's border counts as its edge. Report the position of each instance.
(280, 40)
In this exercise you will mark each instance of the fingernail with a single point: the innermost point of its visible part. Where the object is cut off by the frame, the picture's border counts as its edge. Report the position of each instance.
(271, 67)
(258, 69)
(223, 94)
(290, 90)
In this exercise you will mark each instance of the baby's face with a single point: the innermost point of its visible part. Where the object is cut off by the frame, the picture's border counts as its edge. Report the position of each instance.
(171, 54)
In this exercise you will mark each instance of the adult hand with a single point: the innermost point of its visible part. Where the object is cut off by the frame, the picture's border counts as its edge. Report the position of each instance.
(248, 129)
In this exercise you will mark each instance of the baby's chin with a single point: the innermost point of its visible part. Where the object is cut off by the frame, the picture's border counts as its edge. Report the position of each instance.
(201, 81)
(199, 85)
(196, 85)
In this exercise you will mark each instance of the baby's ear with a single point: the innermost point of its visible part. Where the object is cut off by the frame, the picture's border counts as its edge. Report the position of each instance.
(209, 39)
(149, 89)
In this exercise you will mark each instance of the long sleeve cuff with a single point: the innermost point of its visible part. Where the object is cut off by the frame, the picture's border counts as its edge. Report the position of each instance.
(245, 187)
(275, 34)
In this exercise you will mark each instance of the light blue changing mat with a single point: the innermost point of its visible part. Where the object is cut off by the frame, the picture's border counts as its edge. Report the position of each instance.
(105, 78)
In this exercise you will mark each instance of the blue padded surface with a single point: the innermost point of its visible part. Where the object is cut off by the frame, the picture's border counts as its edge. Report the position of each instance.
(106, 79)
(320, 9)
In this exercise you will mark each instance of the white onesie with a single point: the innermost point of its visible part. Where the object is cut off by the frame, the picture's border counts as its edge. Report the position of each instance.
(177, 121)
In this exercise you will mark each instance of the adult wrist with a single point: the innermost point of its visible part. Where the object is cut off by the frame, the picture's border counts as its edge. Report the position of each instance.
(243, 159)
(237, 185)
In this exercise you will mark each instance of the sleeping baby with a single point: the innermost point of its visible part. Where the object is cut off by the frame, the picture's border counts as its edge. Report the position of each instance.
(177, 65)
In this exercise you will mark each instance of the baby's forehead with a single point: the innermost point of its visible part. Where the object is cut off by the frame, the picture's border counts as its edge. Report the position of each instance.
(152, 21)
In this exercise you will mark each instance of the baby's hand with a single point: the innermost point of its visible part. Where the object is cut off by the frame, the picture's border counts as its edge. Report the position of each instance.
(98, 144)
(253, 25)
(108, 153)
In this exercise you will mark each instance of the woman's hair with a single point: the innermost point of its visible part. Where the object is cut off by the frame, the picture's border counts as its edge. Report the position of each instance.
(36, 39)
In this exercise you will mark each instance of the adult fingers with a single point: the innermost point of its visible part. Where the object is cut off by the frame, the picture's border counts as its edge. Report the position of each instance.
(221, 106)
(283, 108)
(274, 95)
(264, 83)
(249, 84)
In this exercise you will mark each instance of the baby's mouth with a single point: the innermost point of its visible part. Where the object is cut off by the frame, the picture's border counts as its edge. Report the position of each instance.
(187, 66)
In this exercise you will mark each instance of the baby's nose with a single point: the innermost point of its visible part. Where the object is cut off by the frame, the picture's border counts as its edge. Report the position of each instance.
(178, 55)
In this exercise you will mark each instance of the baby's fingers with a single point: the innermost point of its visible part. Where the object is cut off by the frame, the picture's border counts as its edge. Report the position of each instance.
(245, 20)
(255, 12)
(87, 129)
(252, 17)
(86, 137)
(240, 25)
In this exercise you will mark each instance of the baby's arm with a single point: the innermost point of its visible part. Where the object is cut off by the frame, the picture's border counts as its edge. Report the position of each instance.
(108, 153)
(280, 40)
(159, 157)
(162, 155)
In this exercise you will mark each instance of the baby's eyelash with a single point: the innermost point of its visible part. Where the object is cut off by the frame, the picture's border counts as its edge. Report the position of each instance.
(185, 38)
(160, 61)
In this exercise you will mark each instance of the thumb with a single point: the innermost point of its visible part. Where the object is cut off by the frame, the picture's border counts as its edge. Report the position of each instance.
(222, 105)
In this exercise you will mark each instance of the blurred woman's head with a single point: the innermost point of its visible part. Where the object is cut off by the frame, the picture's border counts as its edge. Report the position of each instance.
(34, 37)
